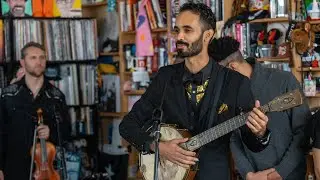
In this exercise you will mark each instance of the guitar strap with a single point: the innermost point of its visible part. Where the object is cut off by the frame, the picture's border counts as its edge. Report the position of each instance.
(217, 92)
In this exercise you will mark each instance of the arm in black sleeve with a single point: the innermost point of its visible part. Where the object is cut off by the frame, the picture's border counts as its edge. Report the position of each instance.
(141, 112)
(2, 133)
(315, 122)
(65, 122)
(61, 118)
(246, 103)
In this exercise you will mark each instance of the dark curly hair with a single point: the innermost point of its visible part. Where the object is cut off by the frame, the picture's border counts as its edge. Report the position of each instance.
(207, 17)
(221, 48)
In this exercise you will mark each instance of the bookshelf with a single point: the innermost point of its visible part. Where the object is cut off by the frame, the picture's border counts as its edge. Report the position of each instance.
(270, 20)
(127, 37)
(301, 72)
(75, 68)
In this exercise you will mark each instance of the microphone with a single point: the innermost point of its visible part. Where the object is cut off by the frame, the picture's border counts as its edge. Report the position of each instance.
(157, 114)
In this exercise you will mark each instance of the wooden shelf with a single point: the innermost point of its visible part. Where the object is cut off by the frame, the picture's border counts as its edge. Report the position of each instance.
(306, 69)
(314, 22)
(270, 20)
(316, 96)
(112, 114)
(104, 3)
(109, 54)
(128, 73)
(163, 30)
(273, 59)
(135, 92)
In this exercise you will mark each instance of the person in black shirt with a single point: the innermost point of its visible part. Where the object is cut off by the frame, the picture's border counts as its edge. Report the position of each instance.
(18, 114)
(192, 100)
(314, 133)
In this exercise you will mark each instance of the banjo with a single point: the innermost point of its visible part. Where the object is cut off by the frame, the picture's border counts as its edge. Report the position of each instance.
(170, 171)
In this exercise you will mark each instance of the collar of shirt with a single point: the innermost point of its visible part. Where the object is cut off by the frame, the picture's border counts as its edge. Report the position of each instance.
(22, 82)
(198, 78)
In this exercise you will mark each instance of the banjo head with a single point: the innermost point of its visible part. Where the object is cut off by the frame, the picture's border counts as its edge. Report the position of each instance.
(167, 170)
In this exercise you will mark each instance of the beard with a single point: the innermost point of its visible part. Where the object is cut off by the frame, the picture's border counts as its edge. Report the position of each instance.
(193, 50)
(36, 72)
(18, 11)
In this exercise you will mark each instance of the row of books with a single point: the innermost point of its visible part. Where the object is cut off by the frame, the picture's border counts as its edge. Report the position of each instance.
(151, 63)
(215, 5)
(82, 121)
(78, 83)
(241, 32)
(155, 10)
(110, 100)
(277, 65)
(63, 39)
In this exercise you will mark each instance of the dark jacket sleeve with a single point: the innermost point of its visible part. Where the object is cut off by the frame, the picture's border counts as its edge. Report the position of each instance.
(2, 132)
(246, 102)
(141, 113)
(314, 129)
(61, 122)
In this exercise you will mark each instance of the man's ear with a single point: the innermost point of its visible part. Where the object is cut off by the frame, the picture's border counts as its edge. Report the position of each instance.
(22, 63)
(209, 35)
(233, 66)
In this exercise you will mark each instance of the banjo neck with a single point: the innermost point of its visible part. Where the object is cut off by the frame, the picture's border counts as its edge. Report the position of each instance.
(218, 131)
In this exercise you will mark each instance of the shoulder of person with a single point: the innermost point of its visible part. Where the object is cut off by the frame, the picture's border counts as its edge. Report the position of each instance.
(11, 90)
(234, 75)
(169, 69)
(282, 77)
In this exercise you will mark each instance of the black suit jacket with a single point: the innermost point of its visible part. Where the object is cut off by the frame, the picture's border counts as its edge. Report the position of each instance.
(213, 157)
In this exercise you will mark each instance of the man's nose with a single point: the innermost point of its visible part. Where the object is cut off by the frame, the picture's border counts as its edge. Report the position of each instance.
(180, 36)
(38, 61)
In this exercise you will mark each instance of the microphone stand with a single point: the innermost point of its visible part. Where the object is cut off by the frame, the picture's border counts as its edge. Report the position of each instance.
(156, 126)
(157, 117)
(64, 167)
(33, 152)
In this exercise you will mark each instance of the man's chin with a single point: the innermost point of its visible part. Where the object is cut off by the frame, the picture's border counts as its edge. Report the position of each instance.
(18, 13)
(182, 54)
(37, 75)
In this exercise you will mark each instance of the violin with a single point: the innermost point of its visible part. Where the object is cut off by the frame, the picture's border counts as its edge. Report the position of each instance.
(45, 153)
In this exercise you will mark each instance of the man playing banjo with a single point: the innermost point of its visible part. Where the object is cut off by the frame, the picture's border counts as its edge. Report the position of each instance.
(197, 94)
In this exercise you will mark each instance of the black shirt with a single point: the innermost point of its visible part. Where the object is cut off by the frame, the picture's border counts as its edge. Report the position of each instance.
(18, 118)
(195, 87)
(196, 84)
(314, 129)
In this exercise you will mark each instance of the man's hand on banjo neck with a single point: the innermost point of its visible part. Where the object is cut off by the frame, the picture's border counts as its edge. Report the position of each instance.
(257, 122)
(174, 153)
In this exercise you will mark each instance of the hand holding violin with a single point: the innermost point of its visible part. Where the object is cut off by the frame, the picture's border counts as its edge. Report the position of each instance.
(43, 132)
(45, 152)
